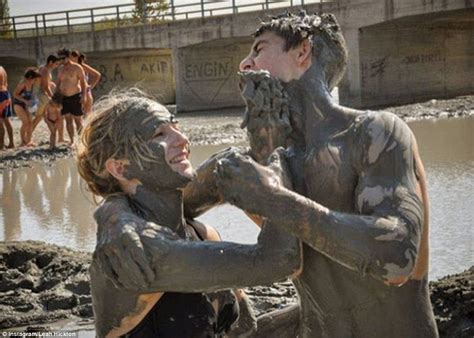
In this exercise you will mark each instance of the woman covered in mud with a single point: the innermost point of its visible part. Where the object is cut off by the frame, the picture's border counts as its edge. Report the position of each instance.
(133, 154)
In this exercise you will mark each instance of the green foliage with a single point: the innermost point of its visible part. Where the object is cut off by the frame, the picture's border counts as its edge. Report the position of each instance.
(5, 22)
(149, 10)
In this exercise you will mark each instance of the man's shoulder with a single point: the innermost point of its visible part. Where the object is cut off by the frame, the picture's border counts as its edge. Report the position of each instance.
(380, 132)
(377, 124)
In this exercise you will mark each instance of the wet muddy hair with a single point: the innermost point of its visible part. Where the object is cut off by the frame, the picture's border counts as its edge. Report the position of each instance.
(323, 31)
(106, 135)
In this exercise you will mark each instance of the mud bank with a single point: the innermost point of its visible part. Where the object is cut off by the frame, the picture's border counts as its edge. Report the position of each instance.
(223, 127)
(41, 284)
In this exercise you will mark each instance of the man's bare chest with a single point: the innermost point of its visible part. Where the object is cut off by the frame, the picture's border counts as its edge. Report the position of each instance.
(329, 175)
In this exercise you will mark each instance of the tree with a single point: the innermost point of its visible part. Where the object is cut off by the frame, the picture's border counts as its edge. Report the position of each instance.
(5, 22)
(146, 10)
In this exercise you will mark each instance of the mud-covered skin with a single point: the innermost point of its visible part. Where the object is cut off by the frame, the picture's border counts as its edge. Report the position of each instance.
(267, 120)
(174, 264)
(267, 117)
(138, 256)
(360, 206)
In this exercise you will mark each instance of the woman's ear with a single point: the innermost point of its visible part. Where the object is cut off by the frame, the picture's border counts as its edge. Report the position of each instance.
(116, 168)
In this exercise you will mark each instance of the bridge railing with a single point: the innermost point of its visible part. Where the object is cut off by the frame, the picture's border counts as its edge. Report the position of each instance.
(106, 17)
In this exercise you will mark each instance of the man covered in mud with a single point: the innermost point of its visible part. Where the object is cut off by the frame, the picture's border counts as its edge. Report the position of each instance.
(133, 154)
(359, 201)
(358, 197)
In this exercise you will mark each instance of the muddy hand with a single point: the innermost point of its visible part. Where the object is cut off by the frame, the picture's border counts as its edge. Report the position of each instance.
(202, 194)
(267, 117)
(244, 183)
(119, 251)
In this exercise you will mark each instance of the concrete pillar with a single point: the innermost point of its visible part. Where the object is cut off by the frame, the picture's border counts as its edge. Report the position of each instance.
(349, 88)
(206, 76)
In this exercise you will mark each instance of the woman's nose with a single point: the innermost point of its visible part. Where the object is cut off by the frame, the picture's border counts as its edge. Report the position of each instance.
(179, 138)
(246, 64)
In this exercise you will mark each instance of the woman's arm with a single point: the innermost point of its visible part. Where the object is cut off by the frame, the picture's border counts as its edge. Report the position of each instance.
(93, 74)
(143, 256)
(17, 93)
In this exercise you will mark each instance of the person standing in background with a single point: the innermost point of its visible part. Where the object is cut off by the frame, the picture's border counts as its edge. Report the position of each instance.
(23, 104)
(5, 111)
(71, 83)
(92, 79)
(47, 87)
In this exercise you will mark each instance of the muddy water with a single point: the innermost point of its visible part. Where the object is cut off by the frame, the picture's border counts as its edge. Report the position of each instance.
(50, 203)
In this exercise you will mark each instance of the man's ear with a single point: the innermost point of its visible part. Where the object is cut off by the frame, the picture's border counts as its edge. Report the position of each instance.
(304, 52)
(116, 168)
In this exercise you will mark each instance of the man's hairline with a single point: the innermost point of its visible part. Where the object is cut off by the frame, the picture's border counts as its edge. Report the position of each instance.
(285, 41)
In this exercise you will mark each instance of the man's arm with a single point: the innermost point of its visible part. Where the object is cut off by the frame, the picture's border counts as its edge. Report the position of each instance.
(82, 80)
(146, 257)
(45, 78)
(382, 239)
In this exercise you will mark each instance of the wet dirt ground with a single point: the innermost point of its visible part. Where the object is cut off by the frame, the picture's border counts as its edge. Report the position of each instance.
(41, 284)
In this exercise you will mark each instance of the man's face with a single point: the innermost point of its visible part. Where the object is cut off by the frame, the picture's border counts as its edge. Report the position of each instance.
(268, 53)
(54, 65)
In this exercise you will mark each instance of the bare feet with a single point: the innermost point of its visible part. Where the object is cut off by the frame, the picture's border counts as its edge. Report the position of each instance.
(31, 144)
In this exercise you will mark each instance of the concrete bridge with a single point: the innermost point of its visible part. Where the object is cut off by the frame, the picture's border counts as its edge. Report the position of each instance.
(400, 51)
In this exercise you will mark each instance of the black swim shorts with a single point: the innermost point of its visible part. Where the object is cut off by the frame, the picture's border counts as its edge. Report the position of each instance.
(72, 105)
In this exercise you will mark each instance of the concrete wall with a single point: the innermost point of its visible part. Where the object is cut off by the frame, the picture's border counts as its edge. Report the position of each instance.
(207, 74)
(355, 16)
(15, 68)
(425, 57)
(150, 69)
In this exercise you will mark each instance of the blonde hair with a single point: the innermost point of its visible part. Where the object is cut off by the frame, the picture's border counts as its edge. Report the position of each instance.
(106, 135)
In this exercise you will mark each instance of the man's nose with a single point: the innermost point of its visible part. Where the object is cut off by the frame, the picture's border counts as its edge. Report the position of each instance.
(246, 64)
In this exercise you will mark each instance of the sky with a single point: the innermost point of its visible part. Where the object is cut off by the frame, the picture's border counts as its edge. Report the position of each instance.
(26, 7)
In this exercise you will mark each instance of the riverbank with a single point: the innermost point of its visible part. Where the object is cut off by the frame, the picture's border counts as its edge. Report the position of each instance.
(223, 127)
(46, 287)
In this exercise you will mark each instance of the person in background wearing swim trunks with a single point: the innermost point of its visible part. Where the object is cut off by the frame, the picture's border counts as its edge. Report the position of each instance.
(92, 79)
(47, 87)
(23, 102)
(71, 83)
(5, 111)
(53, 117)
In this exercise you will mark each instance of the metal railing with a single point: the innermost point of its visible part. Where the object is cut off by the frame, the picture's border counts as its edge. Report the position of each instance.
(107, 17)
